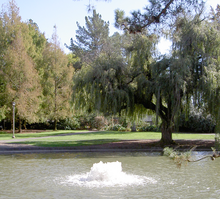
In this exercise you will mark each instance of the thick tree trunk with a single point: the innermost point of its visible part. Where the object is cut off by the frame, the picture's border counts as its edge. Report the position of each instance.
(167, 131)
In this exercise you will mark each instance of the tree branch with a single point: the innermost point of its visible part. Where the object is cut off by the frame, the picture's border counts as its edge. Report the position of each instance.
(156, 19)
(134, 27)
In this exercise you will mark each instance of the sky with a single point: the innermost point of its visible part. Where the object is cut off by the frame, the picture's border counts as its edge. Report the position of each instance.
(65, 13)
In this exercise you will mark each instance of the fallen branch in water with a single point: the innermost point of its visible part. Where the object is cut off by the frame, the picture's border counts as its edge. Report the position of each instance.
(180, 158)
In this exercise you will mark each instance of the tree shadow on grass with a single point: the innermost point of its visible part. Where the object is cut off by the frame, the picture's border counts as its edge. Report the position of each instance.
(68, 143)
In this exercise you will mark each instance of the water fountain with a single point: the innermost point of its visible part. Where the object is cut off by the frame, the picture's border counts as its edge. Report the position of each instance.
(106, 175)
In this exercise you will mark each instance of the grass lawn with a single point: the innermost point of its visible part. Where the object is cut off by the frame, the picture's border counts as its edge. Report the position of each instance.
(99, 137)
(8, 136)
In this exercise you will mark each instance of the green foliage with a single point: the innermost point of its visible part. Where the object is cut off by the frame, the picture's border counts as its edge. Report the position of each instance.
(3, 111)
(84, 121)
(149, 128)
(27, 64)
(185, 157)
(178, 157)
(116, 127)
(100, 122)
(196, 122)
(115, 75)
(157, 14)
(21, 83)
(69, 124)
(56, 81)
(90, 40)
(132, 79)
(217, 141)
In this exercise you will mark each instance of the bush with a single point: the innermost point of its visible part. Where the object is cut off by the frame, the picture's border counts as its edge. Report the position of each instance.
(89, 121)
(40, 125)
(197, 123)
(115, 127)
(100, 122)
(69, 124)
(151, 128)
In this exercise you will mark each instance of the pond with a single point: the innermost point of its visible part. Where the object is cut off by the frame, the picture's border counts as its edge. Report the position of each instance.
(106, 175)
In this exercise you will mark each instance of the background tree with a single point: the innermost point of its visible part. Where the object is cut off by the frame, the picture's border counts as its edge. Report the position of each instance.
(215, 16)
(56, 82)
(17, 68)
(22, 86)
(3, 99)
(36, 44)
(90, 39)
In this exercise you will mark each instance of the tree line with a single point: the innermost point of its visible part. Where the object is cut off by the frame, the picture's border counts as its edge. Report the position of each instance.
(34, 71)
(121, 74)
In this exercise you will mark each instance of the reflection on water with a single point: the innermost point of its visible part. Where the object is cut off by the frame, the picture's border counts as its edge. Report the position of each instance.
(106, 175)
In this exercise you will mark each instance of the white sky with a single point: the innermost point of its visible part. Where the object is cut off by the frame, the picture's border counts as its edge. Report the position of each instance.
(65, 13)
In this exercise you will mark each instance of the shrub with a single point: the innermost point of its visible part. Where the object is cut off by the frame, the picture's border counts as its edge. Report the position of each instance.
(197, 123)
(100, 122)
(115, 127)
(149, 128)
(69, 124)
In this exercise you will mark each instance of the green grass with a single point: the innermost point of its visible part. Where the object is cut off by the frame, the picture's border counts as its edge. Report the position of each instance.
(8, 136)
(67, 143)
(91, 138)
(193, 136)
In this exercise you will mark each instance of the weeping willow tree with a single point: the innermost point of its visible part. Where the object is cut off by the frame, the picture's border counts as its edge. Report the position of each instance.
(111, 84)
(212, 79)
(191, 75)
(126, 76)
(106, 84)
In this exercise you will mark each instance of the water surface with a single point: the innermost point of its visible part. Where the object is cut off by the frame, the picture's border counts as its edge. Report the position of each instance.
(106, 175)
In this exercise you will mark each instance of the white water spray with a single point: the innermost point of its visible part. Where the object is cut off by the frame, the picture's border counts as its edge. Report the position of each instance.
(107, 174)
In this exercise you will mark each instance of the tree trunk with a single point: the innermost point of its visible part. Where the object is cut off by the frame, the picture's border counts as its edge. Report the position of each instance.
(25, 125)
(4, 128)
(133, 128)
(55, 125)
(20, 125)
(11, 123)
(167, 131)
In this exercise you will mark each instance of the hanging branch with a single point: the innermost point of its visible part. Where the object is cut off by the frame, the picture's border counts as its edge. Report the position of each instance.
(180, 158)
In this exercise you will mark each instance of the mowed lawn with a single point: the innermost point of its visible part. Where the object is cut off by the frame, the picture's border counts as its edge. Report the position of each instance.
(78, 138)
